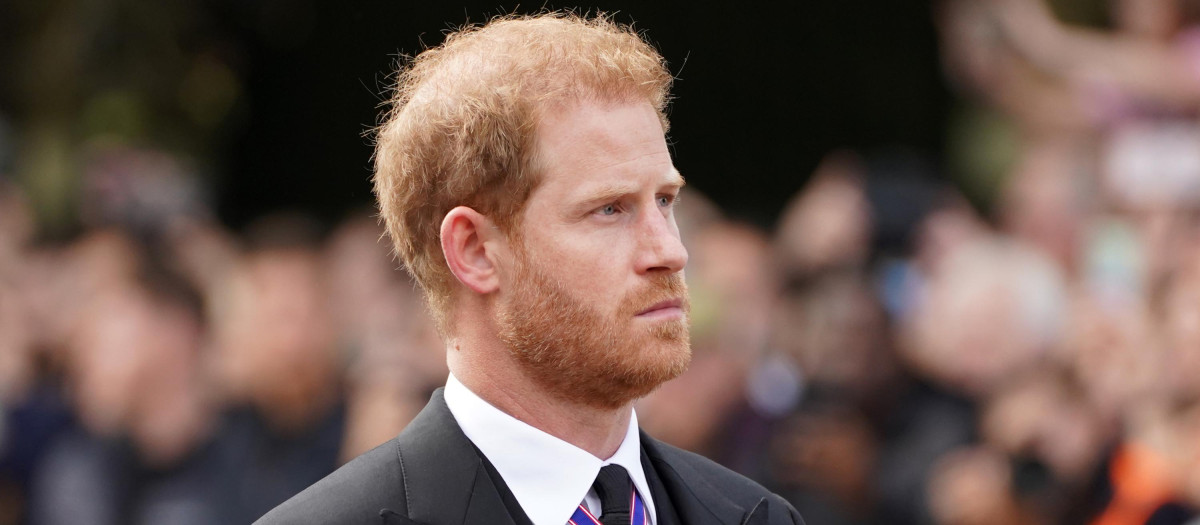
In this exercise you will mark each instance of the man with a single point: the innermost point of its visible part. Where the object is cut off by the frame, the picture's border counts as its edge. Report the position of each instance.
(526, 183)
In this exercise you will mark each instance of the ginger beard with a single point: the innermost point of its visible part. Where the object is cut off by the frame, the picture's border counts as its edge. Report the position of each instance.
(583, 355)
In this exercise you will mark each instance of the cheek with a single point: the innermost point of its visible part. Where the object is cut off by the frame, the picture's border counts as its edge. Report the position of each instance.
(589, 278)
(591, 263)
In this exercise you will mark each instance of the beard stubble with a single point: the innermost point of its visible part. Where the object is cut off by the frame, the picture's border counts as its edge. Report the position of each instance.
(578, 353)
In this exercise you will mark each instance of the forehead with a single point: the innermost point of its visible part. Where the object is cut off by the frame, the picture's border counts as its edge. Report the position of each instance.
(591, 142)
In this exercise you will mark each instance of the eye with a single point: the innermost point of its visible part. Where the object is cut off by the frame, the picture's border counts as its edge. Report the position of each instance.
(665, 200)
(607, 209)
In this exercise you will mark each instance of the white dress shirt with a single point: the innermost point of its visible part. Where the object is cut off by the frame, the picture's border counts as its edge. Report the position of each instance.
(548, 476)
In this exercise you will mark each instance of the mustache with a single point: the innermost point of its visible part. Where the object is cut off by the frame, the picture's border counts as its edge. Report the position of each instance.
(658, 289)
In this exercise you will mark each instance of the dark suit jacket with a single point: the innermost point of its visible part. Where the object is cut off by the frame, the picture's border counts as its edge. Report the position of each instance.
(431, 474)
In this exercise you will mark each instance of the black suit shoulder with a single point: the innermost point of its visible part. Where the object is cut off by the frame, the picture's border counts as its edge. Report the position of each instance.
(354, 493)
(707, 479)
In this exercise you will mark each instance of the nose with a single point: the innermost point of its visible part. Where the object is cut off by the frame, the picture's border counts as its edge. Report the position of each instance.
(660, 249)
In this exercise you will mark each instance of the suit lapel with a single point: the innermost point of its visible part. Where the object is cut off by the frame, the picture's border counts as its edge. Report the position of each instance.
(486, 506)
(696, 500)
(445, 482)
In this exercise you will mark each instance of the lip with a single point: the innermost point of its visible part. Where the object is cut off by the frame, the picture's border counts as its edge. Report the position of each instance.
(667, 307)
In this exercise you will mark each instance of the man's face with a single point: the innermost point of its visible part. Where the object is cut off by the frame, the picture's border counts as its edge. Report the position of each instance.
(594, 306)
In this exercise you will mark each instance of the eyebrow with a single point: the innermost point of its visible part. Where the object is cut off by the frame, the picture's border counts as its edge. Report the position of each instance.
(614, 191)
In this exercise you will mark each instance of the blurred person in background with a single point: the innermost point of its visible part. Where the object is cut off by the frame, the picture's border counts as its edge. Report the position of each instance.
(278, 368)
(821, 447)
(1054, 441)
(991, 312)
(140, 450)
(395, 357)
(51, 288)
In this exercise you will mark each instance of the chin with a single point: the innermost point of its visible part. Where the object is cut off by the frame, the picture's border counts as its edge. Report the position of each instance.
(650, 364)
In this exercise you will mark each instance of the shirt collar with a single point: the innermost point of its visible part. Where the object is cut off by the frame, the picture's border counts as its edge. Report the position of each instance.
(548, 476)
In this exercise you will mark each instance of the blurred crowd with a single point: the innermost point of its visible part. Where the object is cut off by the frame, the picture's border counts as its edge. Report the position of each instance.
(1019, 347)
(158, 369)
(1022, 348)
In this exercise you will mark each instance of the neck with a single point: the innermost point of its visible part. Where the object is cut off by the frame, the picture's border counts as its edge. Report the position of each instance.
(599, 431)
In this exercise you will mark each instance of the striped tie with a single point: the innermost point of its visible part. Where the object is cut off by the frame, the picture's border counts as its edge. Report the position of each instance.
(620, 504)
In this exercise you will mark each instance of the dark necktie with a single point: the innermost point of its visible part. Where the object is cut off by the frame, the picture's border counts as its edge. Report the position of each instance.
(614, 488)
(619, 503)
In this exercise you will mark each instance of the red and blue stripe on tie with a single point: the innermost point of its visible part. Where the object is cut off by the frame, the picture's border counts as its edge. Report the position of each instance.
(638, 517)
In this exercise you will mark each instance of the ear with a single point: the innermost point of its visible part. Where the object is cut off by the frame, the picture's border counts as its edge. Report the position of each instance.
(467, 237)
